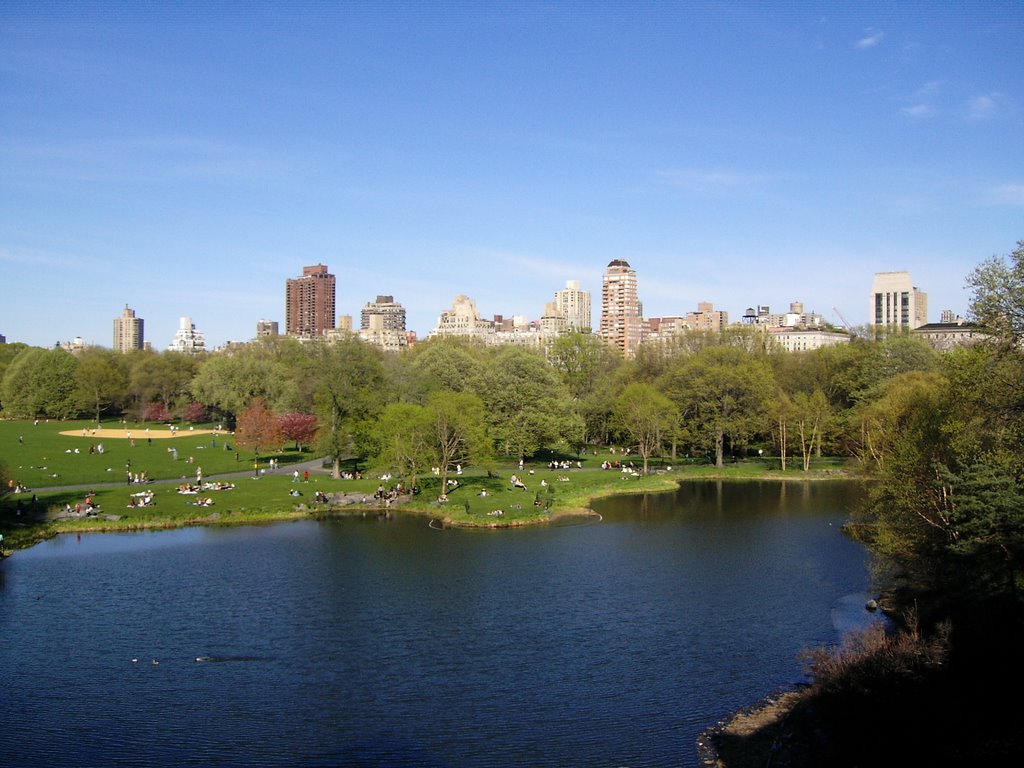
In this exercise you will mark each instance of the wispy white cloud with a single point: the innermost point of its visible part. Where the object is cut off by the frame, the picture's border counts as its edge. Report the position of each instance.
(918, 111)
(872, 37)
(149, 157)
(36, 258)
(1011, 194)
(700, 180)
(929, 89)
(538, 266)
(983, 107)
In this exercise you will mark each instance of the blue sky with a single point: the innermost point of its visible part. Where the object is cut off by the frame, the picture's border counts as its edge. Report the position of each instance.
(187, 158)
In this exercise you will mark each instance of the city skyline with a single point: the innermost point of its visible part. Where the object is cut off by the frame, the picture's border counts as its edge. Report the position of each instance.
(186, 160)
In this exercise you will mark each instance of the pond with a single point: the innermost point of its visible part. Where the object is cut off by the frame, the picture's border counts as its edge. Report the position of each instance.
(383, 643)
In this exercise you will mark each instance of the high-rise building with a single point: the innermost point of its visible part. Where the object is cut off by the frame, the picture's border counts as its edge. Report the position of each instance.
(384, 313)
(187, 339)
(896, 302)
(127, 331)
(574, 305)
(621, 311)
(382, 323)
(309, 302)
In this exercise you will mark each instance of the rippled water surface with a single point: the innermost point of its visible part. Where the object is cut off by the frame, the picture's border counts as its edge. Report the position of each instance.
(387, 643)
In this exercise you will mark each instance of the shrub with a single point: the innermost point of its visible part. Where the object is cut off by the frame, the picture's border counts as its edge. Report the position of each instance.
(872, 655)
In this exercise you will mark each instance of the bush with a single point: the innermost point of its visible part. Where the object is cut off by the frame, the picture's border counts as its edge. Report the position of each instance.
(867, 657)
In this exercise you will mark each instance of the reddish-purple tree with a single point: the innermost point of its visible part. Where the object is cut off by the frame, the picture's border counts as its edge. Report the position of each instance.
(300, 427)
(258, 429)
(194, 412)
(156, 412)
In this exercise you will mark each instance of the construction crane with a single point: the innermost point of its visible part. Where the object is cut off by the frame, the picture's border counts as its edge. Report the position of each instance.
(846, 325)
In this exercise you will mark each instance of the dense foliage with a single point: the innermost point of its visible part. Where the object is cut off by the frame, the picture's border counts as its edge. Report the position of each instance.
(941, 433)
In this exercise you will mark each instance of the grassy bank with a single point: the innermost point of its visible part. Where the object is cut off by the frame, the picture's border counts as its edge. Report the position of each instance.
(39, 456)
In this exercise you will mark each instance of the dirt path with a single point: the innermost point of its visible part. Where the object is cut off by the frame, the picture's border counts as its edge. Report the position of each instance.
(156, 434)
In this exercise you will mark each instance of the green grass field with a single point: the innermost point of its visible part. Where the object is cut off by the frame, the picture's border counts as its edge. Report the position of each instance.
(40, 458)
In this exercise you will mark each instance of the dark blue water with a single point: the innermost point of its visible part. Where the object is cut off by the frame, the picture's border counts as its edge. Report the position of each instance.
(366, 643)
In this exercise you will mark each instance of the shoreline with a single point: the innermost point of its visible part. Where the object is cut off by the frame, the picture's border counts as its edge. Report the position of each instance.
(762, 724)
(577, 507)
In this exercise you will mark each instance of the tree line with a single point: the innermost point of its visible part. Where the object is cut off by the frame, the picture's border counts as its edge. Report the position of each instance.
(708, 396)
(941, 434)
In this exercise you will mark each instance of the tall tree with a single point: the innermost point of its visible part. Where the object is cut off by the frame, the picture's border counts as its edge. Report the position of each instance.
(229, 382)
(402, 439)
(527, 406)
(647, 416)
(164, 377)
(350, 389)
(582, 360)
(998, 295)
(41, 382)
(458, 431)
(722, 393)
(809, 414)
(946, 449)
(102, 379)
(449, 364)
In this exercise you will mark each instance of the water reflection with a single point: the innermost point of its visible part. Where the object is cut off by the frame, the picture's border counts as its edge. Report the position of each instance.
(387, 643)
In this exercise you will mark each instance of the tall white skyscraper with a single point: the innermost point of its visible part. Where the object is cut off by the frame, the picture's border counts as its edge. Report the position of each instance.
(187, 339)
(896, 303)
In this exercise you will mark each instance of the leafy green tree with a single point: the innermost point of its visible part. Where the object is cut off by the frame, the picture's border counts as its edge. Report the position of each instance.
(229, 382)
(896, 419)
(888, 358)
(998, 299)
(41, 382)
(7, 354)
(782, 409)
(458, 431)
(402, 439)
(809, 414)
(448, 364)
(350, 389)
(102, 380)
(945, 446)
(527, 406)
(164, 377)
(582, 360)
(722, 393)
(646, 415)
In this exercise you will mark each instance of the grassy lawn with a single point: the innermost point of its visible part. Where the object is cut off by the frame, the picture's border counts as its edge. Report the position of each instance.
(41, 459)
(38, 456)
